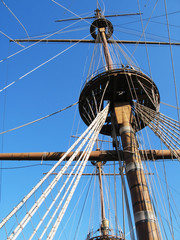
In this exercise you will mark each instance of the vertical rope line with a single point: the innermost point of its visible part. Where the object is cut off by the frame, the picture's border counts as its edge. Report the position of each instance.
(83, 207)
(73, 209)
(172, 62)
(3, 125)
(145, 39)
(92, 207)
(123, 209)
(144, 29)
(115, 199)
(167, 191)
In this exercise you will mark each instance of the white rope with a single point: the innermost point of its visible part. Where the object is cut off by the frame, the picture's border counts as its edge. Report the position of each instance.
(75, 208)
(39, 119)
(45, 177)
(80, 18)
(45, 193)
(15, 18)
(156, 188)
(11, 40)
(57, 208)
(91, 144)
(54, 201)
(93, 130)
(172, 62)
(42, 64)
(168, 133)
(59, 205)
(25, 48)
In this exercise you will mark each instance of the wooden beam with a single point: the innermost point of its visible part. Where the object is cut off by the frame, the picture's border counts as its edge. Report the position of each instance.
(108, 155)
(93, 41)
(94, 174)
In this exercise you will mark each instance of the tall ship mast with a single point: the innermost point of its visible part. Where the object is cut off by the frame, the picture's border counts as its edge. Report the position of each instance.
(117, 103)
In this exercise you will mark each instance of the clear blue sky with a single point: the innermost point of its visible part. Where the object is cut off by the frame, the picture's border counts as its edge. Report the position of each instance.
(57, 84)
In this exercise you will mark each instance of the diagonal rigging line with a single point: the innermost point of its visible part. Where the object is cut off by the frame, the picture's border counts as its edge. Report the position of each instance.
(42, 64)
(93, 130)
(12, 41)
(144, 30)
(169, 105)
(14, 211)
(75, 207)
(39, 119)
(70, 11)
(145, 19)
(167, 134)
(15, 18)
(25, 48)
(91, 144)
(54, 201)
(145, 36)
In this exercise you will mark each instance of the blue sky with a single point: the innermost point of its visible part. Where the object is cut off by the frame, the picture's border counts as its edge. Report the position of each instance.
(58, 83)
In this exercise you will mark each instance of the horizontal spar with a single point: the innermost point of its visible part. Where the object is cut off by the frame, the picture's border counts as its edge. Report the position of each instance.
(95, 174)
(93, 41)
(94, 156)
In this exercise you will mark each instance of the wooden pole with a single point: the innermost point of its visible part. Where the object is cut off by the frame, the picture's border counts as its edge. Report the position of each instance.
(106, 50)
(101, 191)
(144, 216)
(109, 155)
(104, 221)
(93, 41)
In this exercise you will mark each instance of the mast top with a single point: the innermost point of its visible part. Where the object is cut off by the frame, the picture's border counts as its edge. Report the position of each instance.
(101, 23)
(97, 13)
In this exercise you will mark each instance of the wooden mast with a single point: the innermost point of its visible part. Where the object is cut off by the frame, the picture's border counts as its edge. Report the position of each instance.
(104, 221)
(145, 219)
(105, 155)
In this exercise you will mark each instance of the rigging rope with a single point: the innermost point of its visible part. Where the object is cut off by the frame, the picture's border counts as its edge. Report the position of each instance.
(42, 64)
(169, 105)
(164, 127)
(15, 18)
(80, 18)
(10, 40)
(25, 48)
(83, 207)
(93, 131)
(172, 62)
(39, 119)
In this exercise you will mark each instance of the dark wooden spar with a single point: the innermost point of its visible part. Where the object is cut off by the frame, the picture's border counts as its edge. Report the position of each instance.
(108, 155)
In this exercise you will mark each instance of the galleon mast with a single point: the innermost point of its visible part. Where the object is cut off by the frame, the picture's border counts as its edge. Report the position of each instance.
(117, 86)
